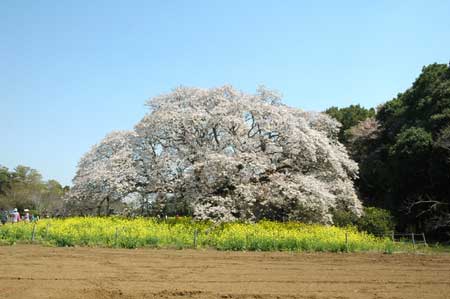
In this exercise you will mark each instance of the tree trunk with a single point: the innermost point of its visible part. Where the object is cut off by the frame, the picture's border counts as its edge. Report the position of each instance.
(99, 207)
(107, 206)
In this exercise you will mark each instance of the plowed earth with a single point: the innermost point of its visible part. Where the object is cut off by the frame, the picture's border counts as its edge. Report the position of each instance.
(28, 271)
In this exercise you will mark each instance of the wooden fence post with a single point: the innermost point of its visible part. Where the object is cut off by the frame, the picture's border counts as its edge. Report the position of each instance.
(195, 238)
(33, 233)
(424, 240)
(346, 241)
(116, 235)
(46, 231)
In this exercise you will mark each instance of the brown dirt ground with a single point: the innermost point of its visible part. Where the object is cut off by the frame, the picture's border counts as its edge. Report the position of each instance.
(31, 271)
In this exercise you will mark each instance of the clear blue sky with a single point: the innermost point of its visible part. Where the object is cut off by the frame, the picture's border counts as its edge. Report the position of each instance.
(72, 71)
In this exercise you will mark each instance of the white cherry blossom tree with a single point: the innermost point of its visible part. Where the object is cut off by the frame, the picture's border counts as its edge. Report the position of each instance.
(225, 155)
(239, 156)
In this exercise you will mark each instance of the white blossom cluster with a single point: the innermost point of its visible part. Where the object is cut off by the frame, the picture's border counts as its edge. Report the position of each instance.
(230, 155)
(111, 170)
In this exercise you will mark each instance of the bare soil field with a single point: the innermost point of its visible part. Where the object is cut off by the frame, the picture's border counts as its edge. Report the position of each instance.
(29, 271)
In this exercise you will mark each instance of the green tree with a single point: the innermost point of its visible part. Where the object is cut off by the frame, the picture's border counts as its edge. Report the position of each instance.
(406, 168)
(4, 180)
(24, 187)
(349, 116)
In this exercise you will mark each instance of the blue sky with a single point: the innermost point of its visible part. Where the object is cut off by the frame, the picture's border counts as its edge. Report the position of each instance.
(72, 71)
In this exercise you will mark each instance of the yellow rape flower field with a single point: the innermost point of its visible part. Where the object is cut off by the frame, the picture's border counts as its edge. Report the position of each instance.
(185, 233)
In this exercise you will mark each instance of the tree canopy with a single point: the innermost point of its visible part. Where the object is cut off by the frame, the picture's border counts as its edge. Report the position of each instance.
(222, 154)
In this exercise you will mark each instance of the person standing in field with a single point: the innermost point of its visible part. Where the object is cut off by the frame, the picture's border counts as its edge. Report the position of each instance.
(3, 216)
(26, 216)
(15, 216)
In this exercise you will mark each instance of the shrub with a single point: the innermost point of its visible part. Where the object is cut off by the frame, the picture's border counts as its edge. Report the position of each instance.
(344, 218)
(376, 221)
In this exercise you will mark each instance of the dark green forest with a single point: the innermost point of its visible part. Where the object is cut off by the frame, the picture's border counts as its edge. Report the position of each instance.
(403, 151)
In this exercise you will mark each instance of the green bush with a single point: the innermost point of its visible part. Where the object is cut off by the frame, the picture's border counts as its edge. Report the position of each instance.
(344, 218)
(376, 221)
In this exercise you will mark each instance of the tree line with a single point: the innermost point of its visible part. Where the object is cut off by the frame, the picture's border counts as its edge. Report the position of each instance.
(24, 188)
